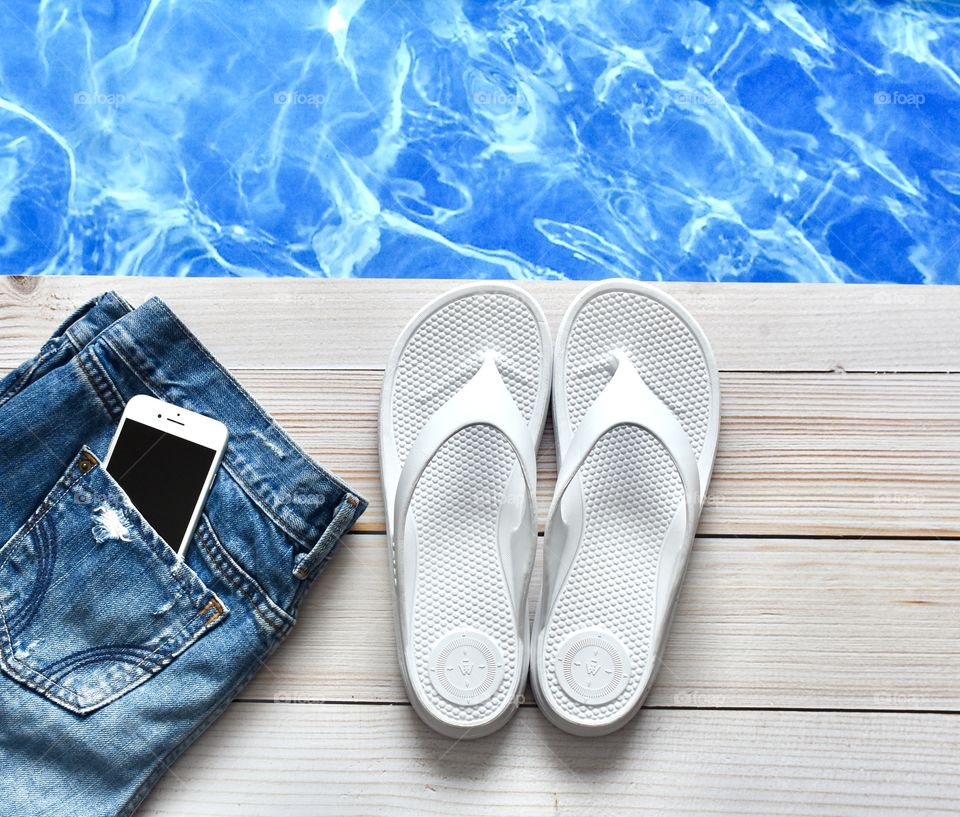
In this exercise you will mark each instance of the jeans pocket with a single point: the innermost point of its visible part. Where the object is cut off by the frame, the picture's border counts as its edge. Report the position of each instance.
(93, 602)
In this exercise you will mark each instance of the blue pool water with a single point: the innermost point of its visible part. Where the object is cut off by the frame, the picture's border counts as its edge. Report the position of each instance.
(718, 140)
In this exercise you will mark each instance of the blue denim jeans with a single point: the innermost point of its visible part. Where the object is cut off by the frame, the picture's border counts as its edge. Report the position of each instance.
(114, 655)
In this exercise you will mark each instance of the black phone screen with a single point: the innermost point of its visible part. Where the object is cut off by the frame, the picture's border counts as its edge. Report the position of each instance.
(162, 474)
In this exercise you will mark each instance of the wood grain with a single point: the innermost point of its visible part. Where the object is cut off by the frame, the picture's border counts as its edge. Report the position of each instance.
(770, 623)
(800, 454)
(813, 663)
(262, 760)
(353, 324)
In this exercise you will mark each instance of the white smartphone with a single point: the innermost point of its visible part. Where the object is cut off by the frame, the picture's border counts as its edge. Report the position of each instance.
(165, 458)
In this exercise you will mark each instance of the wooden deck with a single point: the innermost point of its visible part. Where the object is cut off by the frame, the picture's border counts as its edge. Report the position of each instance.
(814, 663)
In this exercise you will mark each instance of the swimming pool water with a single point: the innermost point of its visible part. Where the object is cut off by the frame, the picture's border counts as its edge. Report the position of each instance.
(668, 140)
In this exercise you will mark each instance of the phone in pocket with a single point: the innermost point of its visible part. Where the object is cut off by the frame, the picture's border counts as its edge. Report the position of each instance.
(165, 458)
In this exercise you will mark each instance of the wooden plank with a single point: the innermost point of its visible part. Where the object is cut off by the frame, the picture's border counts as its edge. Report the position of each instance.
(353, 324)
(800, 454)
(764, 622)
(822, 454)
(789, 623)
(261, 760)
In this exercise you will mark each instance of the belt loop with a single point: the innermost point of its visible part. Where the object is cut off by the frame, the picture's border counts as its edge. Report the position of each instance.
(92, 318)
(308, 563)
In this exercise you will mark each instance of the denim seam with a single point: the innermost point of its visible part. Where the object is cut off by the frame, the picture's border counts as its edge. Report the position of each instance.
(51, 502)
(61, 488)
(69, 668)
(179, 591)
(15, 386)
(223, 562)
(313, 559)
(251, 494)
(150, 382)
(237, 585)
(101, 382)
(101, 302)
(164, 763)
(321, 472)
(13, 660)
(139, 369)
(55, 344)
(184, 589)
(72, 701)
(78, 347)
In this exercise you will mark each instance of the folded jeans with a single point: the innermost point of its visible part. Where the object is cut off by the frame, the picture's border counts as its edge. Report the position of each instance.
(114, 655)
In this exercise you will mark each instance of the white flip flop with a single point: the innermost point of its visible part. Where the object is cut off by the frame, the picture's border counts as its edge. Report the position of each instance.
(464, 402)
(636, 413)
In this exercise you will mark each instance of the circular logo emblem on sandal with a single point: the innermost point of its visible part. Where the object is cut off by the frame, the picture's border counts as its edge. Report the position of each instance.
(593, 667)
(466, 667)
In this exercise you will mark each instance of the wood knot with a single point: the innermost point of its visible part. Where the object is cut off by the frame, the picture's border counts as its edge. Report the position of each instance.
(24, 284)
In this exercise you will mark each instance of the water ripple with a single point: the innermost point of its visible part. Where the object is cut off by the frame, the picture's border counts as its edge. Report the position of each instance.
(666, 140)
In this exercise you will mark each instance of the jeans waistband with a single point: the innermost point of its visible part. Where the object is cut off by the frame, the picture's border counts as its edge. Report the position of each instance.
(304, 500)
(92, 318)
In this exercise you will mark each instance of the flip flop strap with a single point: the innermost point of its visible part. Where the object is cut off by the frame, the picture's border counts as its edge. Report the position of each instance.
(483, 401)
(627, 400)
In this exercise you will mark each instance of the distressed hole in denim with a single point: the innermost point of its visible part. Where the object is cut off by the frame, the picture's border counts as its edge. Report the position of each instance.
(164, 610)
(276, 449)
(23, 653)
(110, 523)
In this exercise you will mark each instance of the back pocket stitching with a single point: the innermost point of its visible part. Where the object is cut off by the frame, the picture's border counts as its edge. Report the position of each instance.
(53, 499)
(68, 697)
(22, 616)
(223, 563)
(125, 653)
(72, 696)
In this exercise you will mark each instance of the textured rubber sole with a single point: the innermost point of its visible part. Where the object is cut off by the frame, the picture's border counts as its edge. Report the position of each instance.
(597, 648)
(462, 644)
